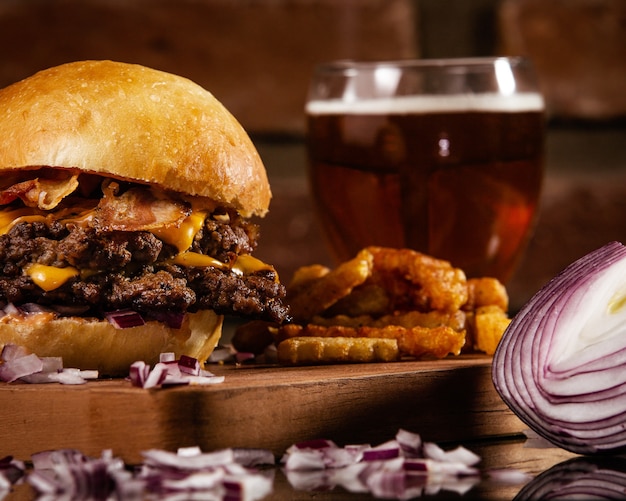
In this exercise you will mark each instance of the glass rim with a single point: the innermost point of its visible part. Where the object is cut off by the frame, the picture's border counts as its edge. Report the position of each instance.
(347, 65)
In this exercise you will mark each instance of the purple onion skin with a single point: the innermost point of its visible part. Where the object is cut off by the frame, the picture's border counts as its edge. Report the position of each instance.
(561, 363)
(582, 477)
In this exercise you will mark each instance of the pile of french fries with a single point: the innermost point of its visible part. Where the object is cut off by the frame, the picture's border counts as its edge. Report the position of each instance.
(383, 305)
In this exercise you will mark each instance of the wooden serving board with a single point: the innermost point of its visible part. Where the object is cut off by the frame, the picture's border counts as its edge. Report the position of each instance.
(259, 406)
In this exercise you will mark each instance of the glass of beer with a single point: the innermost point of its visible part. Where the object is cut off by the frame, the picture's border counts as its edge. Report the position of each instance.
(441, 156)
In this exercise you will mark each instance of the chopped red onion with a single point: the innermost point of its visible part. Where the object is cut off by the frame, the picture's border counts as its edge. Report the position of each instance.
(138, 373)
(560, 363)
(189, 365)
(187, 474)
(376, 454)
(188, 460)
(68, 473)
(14, 369)
(191, 471)
(509, 476)
(52, 364)
(11, 309)
(168, 373)
(19, 365)
(12, 351)
(167, 357)
(124, 319)
(317, 443)
(458, 455)
(303, 459)
(250, 457)
(410, 443)
(157, 376)
(11, 470)
(400, 468)
(63, 376)
(231, 474)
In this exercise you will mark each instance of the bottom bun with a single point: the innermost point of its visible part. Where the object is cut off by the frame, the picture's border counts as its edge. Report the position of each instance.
(96, 344)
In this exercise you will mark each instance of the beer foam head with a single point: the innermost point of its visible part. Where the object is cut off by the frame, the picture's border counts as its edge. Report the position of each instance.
(429, 104)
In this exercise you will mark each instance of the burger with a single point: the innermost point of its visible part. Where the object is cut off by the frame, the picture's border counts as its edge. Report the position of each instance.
(127, 205)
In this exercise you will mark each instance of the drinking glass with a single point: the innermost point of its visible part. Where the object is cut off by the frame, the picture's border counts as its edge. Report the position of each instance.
(441, 156)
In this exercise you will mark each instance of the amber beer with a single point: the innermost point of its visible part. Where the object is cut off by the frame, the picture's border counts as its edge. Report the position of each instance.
(457, 177)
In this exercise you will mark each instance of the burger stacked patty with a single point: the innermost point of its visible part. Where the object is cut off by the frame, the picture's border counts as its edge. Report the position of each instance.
(133, 270)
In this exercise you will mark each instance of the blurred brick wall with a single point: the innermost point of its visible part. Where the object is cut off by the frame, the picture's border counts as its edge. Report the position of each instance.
(578, 48)
(256, 56)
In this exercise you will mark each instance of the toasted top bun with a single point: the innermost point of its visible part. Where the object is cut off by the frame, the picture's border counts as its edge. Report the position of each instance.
(85, 343)
(135, 123)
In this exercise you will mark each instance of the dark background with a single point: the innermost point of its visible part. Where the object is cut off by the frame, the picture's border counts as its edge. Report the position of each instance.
(256, 56)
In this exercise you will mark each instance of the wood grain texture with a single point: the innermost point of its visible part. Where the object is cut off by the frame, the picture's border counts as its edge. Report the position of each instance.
(269, 407)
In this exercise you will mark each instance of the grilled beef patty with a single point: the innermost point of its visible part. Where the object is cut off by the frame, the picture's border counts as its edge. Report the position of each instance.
(130, 270)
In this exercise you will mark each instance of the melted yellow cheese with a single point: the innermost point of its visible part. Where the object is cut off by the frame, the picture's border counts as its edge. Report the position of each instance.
(247, 264)
(10, 218)
(197, 260)
(182, 236)
(50, 277)
(244, 265)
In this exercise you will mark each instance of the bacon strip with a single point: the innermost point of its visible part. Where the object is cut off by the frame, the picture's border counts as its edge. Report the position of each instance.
(42, 193)
(138, 209)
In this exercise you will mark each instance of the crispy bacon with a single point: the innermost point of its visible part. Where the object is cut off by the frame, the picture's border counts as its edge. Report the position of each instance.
(41, 192)
(138, 209)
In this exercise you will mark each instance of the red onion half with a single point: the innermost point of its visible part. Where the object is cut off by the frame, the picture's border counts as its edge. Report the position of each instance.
(561, 364)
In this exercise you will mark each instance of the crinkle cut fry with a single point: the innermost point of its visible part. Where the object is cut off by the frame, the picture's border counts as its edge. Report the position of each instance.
(416, 341)
(315, 297)
(453, 319)
(328, 350)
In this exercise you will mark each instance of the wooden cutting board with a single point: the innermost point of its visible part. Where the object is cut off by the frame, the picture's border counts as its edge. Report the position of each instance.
(259, 406)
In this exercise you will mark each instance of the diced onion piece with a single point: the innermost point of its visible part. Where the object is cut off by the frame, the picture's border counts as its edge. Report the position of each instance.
(124, 319)
(381, 453)
(396, 469)
(169, 372)
(11, 470)
(12, 351)
(189, 365)
(13, 370)
(560, 363)
(18, 364)
(167, 357)
(157, 376)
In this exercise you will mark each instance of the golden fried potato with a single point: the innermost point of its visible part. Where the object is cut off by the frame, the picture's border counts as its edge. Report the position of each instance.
(455, 320)
(332, 350)
(486, 291)
(306, 275)
(421, 305)
(416, 341)
(488, 326)
(318, 295)
(416, 281)
(366, 299)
